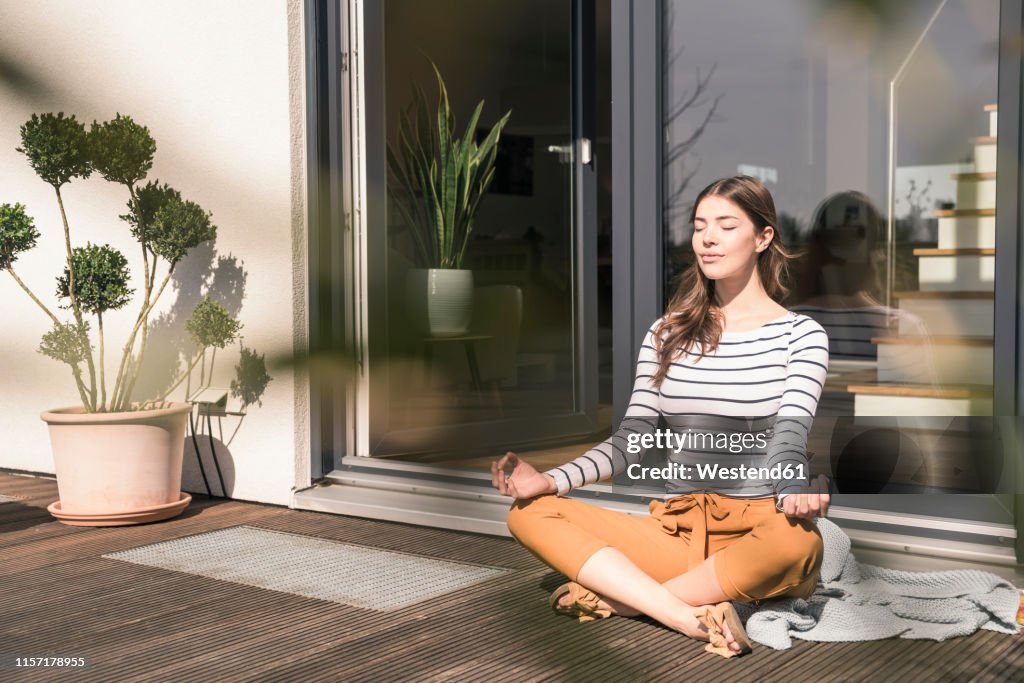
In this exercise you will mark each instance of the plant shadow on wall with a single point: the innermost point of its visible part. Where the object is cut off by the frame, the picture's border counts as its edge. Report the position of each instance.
(105, 450)
(185, 342)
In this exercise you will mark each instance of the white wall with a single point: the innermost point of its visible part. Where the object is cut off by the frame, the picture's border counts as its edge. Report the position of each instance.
(220, 85)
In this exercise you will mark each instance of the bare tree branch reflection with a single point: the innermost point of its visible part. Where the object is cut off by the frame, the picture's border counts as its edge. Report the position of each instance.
(689, 104)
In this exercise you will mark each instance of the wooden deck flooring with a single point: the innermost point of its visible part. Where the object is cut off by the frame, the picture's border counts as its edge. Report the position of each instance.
(59, 597)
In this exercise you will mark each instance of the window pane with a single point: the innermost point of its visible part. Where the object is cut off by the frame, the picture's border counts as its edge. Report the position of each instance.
(896, 252)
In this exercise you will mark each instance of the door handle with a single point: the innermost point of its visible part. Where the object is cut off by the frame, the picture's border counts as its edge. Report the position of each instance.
(565, 152)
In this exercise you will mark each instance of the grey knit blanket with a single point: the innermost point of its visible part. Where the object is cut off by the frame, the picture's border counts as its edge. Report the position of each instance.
(857, 601)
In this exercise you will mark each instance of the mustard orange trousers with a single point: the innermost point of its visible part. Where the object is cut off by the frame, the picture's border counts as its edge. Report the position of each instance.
(759, 552)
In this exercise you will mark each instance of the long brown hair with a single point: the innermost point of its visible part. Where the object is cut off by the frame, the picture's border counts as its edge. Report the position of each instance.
(692, 317)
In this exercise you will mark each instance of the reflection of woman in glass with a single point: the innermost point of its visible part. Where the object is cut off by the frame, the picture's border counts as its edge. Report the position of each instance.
(724, 353)
(837, 286)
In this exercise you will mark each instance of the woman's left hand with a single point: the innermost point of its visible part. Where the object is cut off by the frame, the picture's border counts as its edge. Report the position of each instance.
(808, 505)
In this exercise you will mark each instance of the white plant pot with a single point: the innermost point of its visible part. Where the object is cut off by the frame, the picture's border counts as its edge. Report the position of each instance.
(440, 300)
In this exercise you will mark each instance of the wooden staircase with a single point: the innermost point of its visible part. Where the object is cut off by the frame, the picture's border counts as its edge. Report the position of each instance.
(954, 308)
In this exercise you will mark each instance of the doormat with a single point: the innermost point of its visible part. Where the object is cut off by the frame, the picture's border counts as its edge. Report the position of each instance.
(312, 567)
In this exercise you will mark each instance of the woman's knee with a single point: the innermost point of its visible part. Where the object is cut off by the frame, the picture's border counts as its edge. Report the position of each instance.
(526, 510)
(797, 544)
(785, 557)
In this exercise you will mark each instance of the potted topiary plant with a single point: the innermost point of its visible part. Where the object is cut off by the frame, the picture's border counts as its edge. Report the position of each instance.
(441, 179)
(118, 459)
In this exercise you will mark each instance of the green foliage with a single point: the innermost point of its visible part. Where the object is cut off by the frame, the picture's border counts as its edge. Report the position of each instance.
(178, 226)
(67, 343)
(57, 148)
(60, 148)
(212, 325)
(149, 199)
(122, 150)
(101, 279)
(441, 178)
(251, 378)
(17, 233)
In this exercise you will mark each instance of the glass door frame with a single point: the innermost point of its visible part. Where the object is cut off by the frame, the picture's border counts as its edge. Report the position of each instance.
(329, 304)
(637, 267)
(1008, 350)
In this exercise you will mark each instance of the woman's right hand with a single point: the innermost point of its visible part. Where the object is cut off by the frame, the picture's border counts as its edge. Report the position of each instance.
(523, 481)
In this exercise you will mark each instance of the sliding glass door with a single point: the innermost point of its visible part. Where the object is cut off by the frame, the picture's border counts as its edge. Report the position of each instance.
(520, 365)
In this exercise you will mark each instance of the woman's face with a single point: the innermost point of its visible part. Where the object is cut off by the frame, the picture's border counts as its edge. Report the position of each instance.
(725, 240)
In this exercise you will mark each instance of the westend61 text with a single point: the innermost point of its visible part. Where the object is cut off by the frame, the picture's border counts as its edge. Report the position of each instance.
(734, 442)
(715, 472)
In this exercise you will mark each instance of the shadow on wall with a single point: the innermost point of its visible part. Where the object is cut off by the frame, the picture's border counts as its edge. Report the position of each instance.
(22, 82)
(196, 277)
(213, 470)
(208, 462)
(218, 413)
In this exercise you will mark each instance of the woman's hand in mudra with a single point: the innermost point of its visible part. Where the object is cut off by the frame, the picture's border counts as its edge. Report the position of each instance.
(522, 481)
(813, 503)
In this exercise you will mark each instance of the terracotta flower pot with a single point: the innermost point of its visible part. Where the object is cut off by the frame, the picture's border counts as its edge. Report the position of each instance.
(118, 468)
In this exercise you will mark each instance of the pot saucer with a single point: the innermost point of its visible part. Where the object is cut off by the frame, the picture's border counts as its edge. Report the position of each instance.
(139, 516)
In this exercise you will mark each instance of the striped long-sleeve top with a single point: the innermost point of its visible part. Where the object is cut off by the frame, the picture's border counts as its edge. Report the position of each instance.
(765, 381)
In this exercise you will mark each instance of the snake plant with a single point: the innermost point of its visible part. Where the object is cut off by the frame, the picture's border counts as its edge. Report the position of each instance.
(441, 177)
